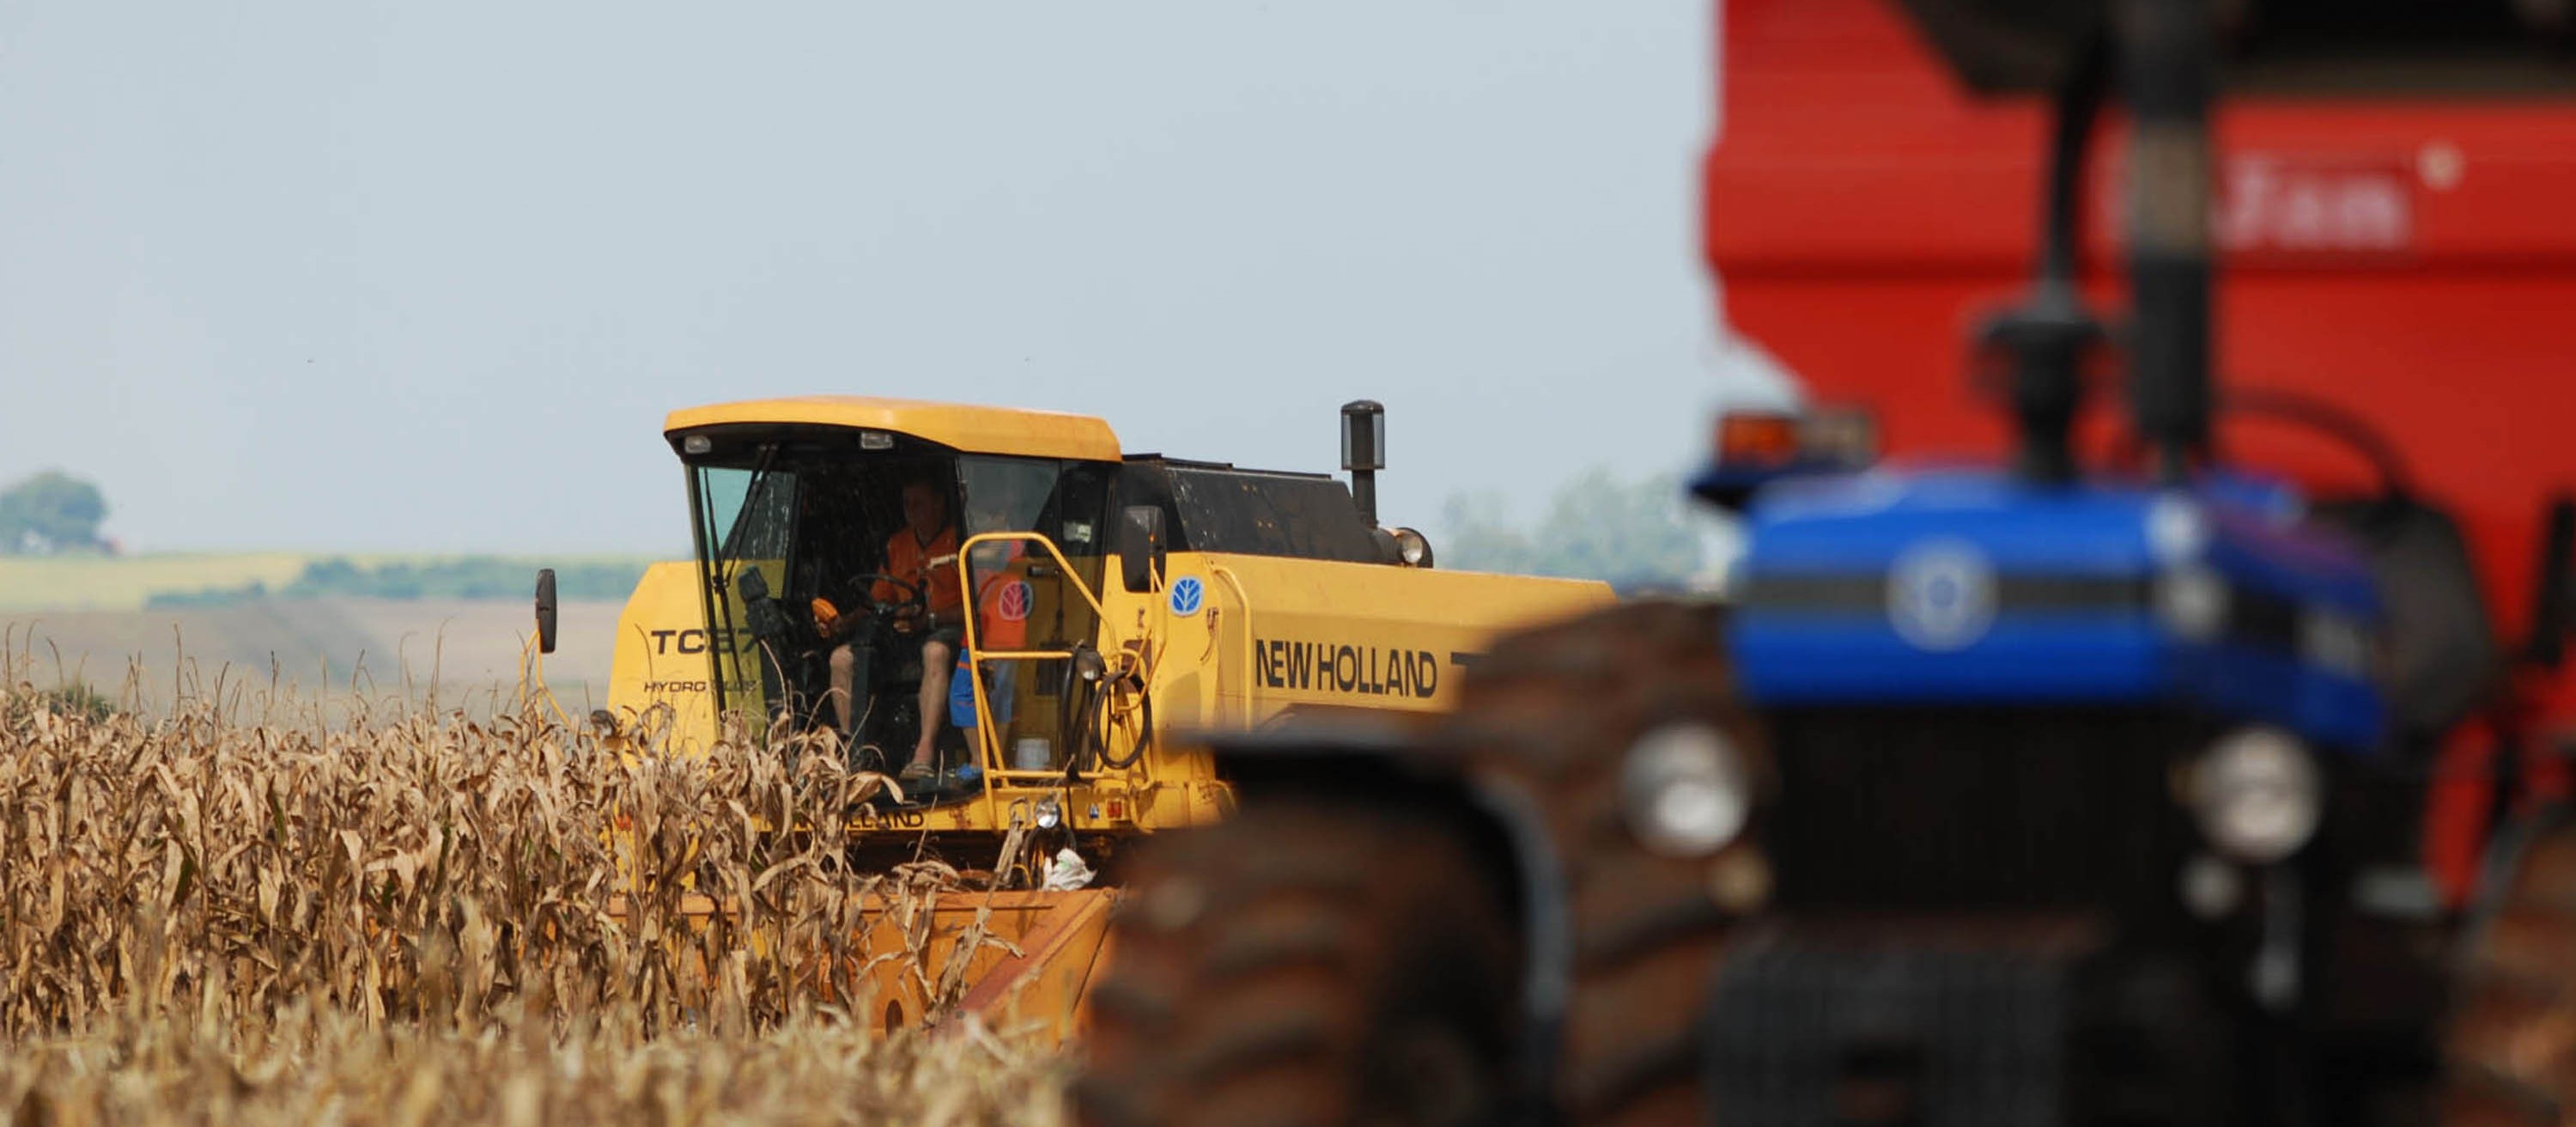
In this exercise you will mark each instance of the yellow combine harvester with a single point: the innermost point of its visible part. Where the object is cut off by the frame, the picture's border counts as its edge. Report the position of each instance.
(1092, 614)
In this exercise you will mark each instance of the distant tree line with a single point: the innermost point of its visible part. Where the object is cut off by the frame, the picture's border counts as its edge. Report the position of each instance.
(1636, 536)
(466, 577)
(51, 514)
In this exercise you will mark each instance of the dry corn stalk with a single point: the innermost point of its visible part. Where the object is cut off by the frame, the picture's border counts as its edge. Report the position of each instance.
(309, 1067)
(406, 866)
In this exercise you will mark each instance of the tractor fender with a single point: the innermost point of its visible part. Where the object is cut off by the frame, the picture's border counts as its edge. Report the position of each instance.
(1384, 766)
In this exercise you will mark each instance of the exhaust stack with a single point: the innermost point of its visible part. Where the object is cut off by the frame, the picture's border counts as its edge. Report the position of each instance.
(1364, 451)
(2167, 56)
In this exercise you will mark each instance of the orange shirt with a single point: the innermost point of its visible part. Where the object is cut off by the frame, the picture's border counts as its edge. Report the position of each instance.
(908, 559)
(1002, 604)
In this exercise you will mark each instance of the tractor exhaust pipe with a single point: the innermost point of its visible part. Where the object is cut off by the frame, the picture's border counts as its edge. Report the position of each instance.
(1364, 452)
(2167, 55)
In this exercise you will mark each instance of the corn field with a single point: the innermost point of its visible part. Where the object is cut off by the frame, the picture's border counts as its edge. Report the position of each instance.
(243, 910)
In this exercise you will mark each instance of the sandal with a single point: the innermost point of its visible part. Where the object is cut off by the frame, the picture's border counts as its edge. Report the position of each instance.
(915, 772)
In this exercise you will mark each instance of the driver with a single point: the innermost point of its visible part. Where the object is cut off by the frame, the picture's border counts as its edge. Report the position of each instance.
(922, 554)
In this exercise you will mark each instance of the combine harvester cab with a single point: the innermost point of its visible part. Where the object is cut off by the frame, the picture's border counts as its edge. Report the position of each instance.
(1108, 612)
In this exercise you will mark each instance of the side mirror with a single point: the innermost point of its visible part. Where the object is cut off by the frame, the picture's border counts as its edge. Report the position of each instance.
(546, 610)
(1140, 546)
(2553, 609)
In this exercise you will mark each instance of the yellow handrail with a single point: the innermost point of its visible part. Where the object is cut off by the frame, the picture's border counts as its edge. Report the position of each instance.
(1243, 599)
(987, 739)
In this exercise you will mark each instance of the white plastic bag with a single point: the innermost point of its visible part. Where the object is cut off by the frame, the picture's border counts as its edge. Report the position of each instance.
(1067, 871)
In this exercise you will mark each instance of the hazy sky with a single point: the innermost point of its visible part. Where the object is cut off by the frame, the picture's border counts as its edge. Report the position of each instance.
(368, 275)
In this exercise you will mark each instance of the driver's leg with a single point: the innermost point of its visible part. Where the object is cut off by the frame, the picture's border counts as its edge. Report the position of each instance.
(848, 679)
(936, 659)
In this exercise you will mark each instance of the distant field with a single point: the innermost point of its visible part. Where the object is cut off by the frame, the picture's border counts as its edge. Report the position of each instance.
(87, 619)
(95, 583)
(124, 582)
(327, 644)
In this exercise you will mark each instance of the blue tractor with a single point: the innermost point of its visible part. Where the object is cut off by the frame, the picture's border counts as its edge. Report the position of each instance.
(2026, 794)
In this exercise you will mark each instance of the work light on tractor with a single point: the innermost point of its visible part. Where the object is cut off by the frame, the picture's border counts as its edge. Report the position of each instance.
(1687, 791)
(2258, 795)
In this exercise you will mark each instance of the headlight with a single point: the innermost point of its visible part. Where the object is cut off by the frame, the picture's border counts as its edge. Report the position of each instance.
(2258, 795)
(1049, 813)
(1686, 790)
(1412, 547)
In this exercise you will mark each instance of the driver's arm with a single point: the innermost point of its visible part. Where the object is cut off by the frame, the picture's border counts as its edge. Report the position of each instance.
(946, 606)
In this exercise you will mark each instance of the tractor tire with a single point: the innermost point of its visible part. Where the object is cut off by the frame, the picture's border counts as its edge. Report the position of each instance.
(2511, 1044)
(1305, 964)
(1554, 709)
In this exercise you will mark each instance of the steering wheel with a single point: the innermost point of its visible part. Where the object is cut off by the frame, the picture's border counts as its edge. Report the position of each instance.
(866, 584)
